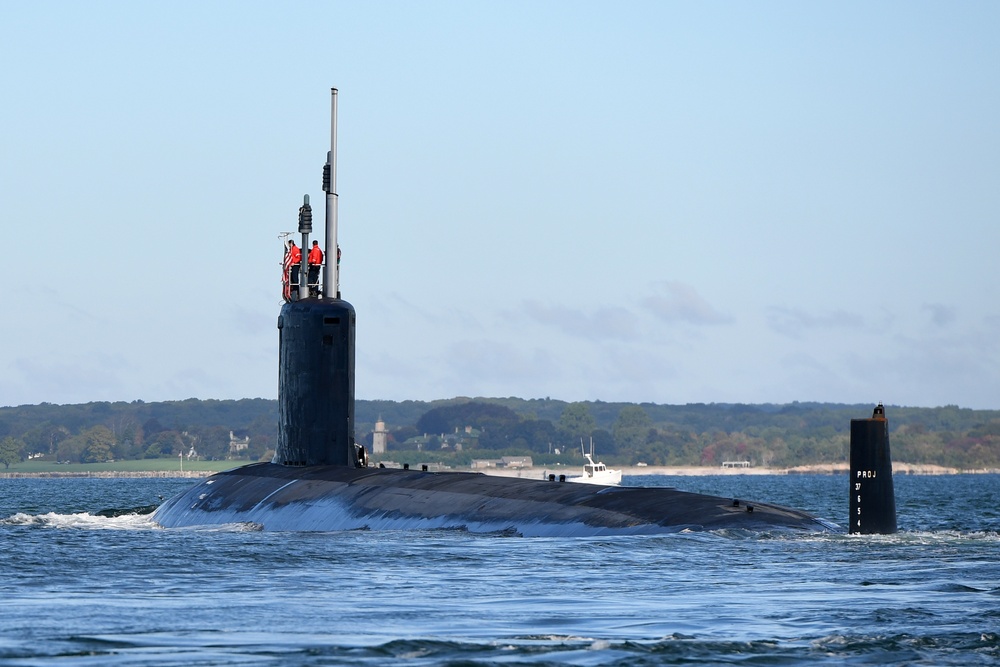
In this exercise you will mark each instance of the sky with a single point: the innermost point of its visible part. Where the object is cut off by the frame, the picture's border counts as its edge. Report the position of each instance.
(667, 202)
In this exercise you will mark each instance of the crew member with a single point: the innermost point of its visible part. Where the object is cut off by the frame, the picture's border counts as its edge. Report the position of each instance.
(293, 262)
(315, 262)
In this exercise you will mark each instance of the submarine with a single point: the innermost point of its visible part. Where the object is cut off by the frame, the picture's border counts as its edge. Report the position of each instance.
(320, 478)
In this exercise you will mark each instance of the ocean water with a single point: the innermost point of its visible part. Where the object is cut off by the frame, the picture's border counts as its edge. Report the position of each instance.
(79, 588)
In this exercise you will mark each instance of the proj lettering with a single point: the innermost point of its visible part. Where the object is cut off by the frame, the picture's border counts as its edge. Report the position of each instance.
(862, 474)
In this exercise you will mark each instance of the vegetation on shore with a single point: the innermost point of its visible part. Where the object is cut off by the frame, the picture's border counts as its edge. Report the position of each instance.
(175, 465)
(456, 431)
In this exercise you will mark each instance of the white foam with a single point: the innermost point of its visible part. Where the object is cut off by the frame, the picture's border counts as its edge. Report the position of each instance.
(82, 521)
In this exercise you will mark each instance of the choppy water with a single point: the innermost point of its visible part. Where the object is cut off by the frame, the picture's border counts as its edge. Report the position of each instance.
(82, 589)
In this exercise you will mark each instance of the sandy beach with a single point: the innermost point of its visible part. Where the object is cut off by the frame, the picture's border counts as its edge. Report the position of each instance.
(816, 469)
(543, 473)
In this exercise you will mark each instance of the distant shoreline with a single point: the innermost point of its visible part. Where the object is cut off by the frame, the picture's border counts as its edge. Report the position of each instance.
(702, 471)
(542, 473)
(124, 474)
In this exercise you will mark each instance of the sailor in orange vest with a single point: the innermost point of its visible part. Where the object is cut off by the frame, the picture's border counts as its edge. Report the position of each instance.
(315, 262)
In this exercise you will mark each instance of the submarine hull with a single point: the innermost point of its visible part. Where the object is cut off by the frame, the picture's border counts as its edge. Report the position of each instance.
(318, 479)
(328, 497)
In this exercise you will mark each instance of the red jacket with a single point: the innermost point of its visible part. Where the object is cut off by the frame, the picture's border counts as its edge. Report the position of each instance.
(294, 255)
(315, 255)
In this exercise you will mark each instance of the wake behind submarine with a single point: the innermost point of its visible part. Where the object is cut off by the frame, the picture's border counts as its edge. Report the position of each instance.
(320, 479)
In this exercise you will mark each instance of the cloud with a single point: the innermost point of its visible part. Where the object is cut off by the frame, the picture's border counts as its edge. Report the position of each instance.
(602, 324)
(940, 314)
(958, 369)
(496, 368)
(679, 302)
(793, 322)
(247, 322)
(66, 379)
(632, 374)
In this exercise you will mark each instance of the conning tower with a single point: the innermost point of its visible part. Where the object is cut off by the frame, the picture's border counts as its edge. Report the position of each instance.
(316, 335)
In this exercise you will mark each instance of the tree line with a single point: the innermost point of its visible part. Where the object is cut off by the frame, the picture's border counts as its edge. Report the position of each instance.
(551, 431)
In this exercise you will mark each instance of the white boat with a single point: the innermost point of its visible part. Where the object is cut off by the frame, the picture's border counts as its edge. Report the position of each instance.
(596, 473)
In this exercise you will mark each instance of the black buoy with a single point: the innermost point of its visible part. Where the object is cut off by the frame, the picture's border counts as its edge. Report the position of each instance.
(873, 501)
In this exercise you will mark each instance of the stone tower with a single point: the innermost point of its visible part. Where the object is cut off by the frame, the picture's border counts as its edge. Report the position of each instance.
(379, 437)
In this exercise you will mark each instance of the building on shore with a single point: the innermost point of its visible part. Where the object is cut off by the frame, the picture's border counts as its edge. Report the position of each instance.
(238, 445)
(380, 437)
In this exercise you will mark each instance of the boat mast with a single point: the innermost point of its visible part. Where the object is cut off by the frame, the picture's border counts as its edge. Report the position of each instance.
(331, 271)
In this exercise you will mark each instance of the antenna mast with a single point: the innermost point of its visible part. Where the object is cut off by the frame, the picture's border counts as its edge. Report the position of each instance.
(331, 271)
